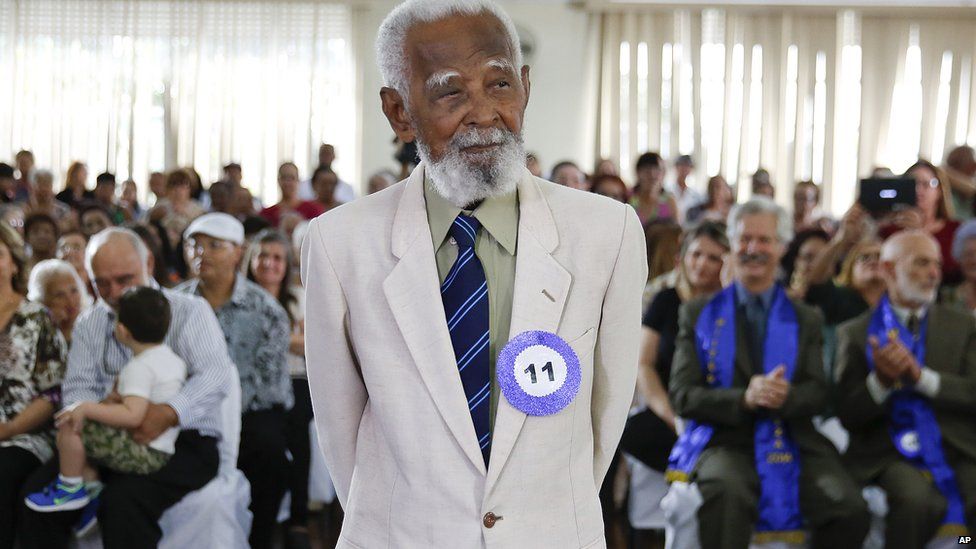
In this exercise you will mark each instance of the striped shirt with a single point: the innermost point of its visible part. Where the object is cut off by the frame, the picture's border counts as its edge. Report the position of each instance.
(96, 358)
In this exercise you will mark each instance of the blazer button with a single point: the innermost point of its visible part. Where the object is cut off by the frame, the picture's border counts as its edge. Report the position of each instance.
(490, 519)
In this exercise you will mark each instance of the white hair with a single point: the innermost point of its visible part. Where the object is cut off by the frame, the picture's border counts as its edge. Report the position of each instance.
(44, 271)
(112, 233)
(391, 51)
(759, 205)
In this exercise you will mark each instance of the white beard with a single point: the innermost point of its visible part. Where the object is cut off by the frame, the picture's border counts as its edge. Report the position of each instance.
(464, 179)
(910, 291)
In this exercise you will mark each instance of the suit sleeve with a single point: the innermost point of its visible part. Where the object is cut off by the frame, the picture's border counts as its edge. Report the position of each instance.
(691, 397)
(957, 391)
(617, 345)
(338, 392)
(855, 406)
(808, 395)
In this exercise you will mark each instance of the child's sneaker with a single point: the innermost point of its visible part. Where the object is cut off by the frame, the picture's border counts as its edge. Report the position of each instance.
(89, 518)
(58, 496)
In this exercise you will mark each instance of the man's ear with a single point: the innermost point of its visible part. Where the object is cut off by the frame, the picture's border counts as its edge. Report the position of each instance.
(526, 84)
(395, 110)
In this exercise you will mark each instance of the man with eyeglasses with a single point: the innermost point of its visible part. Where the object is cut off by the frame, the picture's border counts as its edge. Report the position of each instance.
(130, 506)
(257, 331)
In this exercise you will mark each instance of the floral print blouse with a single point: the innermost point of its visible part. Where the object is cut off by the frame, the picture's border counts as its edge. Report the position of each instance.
(33, 354)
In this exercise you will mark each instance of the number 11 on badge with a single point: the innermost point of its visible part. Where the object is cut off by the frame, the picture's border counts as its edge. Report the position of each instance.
(539, 373)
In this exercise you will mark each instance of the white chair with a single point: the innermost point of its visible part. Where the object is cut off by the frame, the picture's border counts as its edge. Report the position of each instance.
(216, 515)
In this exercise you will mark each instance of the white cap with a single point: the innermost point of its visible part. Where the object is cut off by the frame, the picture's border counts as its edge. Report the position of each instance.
(217, 225)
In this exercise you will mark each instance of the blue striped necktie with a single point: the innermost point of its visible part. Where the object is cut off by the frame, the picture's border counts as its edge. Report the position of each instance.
(465, 296)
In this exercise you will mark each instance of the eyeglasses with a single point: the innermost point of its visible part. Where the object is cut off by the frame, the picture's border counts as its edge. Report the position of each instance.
(867, 258)
(209, 245)
(932, 183)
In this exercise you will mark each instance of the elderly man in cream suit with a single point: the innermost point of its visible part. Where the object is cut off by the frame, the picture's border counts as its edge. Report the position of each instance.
(429, 441)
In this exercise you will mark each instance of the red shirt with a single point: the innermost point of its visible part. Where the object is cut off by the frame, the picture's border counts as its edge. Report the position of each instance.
(308, 209)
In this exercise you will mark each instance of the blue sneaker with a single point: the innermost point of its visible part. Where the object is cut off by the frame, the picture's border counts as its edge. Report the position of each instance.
(89, 518)
(58, 497)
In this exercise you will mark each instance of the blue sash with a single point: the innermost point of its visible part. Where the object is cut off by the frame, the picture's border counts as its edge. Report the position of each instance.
(777, 458)
(911, 422)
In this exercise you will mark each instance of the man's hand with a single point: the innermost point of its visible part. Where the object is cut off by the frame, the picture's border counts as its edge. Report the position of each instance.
(894, 361)
(159, 417)
(768, 391)
(852, 225)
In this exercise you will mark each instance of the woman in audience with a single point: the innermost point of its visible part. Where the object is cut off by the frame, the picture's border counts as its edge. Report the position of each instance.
(717, 206)
(650, 200)
(610, 186)
(703, 255)
(56, 285)
(933, 214)
(32, 359)
(75, 192)
(805, 247)
(178, 209)
(268, 263)
(663, 241)
(964, 252)
(71, 248)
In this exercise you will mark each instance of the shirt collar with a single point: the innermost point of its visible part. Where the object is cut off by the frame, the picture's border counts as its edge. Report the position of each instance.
(498, 215)
(903, 313)
(743, 295)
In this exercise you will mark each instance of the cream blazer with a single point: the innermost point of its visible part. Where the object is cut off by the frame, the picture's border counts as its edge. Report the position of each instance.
(390, 411)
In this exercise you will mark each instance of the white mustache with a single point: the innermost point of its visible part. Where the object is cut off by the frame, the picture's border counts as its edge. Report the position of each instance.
(481, 138)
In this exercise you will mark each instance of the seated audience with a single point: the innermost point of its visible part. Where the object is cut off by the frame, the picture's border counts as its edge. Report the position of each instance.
(75, 192)
(157, 186)
(806, 208)
(650, 200)
(41, 234)
(762, 184)
(129, 202)
(568, 174)
(288, 184)
(663, 240)
(131, 505)
(221, 196)
(24, 160)
(748, 374)
(605, 166)
(650, 434)
(380, 180)
(32, 355)
(685, 196)
(960, 172)
(268, 264)
(93, 220)
(324, 183)
(71, 249)
(94, 434)
(717, 205)
(8, 184)
(105, 197)
(963, 296)
(610, 186)
(178, 209)
(257, 330)
(933, 215)
(803, 249)
(42, 200)
(55, 284)
(907, 395)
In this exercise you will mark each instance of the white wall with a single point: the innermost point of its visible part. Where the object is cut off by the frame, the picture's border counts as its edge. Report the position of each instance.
(557, 118)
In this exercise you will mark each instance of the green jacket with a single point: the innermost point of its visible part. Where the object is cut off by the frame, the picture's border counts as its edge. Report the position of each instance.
(950, 350)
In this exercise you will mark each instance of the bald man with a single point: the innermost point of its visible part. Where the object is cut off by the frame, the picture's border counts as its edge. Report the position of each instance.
(907, 394)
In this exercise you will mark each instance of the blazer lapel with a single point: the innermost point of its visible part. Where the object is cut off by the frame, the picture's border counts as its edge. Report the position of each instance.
(541, 287)
(413, 292)
(933, 350)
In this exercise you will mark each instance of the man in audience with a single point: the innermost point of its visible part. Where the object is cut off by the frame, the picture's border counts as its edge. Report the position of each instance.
(25, 172)
(131, 505)
(7, 183)
(42, 200)
(93, 220)
(685, 196)
(568, 174)
(907, 395)
(257, 330)
(233, 174)
(288, 184)
(413, 294)
(343, 191)
(221, 197)
(748, 373)
(105, 197)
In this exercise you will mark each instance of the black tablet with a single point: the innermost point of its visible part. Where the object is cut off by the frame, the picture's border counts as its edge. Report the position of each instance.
(881, 195)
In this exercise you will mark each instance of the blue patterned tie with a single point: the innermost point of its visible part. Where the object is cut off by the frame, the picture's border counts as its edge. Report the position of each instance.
(465, 296)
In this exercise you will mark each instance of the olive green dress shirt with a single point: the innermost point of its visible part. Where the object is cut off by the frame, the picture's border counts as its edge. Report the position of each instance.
(495, 246)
